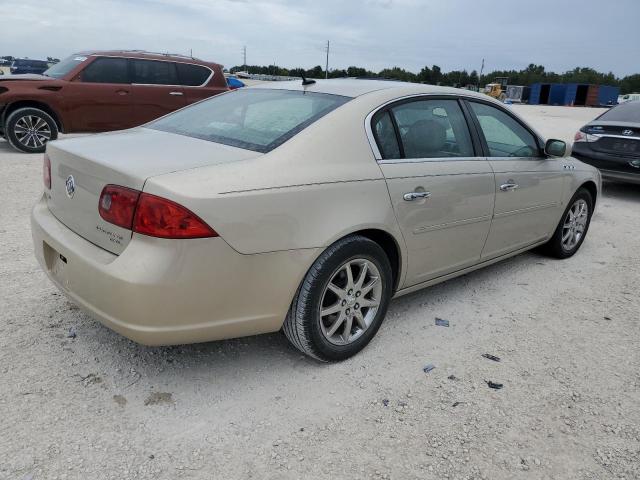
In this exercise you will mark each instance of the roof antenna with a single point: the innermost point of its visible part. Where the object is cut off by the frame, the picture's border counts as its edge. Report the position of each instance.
(306, 81)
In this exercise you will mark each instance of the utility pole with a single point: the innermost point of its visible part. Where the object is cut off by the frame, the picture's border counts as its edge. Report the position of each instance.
(244, 58)
(326, 70)
(480, 77)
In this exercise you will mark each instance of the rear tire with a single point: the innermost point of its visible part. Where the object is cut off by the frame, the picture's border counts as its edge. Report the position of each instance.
(335, 314)
(29, 129)
(573, 226)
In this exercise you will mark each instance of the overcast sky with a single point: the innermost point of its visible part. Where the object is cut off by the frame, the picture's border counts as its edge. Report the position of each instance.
(454, 34)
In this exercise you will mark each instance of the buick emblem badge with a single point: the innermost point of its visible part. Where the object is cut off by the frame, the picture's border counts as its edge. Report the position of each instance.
(627, 132)
(70, 185)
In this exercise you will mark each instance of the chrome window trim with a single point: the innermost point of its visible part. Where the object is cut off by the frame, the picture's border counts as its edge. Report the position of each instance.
(158, 60)
(372, 139)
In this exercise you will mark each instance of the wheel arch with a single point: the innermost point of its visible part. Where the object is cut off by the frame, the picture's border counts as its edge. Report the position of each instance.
(590, 187)
(12, 107)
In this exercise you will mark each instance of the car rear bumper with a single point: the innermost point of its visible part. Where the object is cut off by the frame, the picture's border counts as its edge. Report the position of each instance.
(611, 166)
(166, 292)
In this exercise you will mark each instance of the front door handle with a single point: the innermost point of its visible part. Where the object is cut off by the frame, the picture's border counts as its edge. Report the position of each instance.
(509, 186)
(176, 93)
(411, 196)
(122, 92)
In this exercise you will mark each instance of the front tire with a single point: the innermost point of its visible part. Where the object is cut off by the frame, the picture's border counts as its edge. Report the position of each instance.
(342, 300)
(29, 129)
(572, 229)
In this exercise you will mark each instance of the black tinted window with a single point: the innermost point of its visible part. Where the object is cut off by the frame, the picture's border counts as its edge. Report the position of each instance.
(151, 72)
(106, 70)
(386, 136)
(504, 135)
(192, 75)
(433, 129)
(626, 112)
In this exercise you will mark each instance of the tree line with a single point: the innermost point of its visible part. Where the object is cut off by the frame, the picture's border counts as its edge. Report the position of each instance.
(460, 78)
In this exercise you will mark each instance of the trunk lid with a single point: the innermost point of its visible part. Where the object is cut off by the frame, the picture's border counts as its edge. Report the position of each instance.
(82, 166)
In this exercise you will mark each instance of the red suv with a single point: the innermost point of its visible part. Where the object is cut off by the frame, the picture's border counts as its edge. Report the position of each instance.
(99, 92)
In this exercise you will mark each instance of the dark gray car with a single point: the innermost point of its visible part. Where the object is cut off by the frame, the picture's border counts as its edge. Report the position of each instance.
(611, 143)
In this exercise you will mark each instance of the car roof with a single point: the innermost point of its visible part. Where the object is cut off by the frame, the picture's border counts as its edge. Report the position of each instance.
(146, 55)
(354, 87)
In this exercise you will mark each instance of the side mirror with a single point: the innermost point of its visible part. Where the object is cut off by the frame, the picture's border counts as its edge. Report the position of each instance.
(555, 148)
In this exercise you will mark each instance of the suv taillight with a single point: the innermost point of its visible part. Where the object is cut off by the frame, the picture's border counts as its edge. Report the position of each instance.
(46, 172)
(150, 215)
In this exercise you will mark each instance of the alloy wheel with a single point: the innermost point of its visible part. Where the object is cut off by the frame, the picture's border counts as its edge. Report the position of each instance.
(350, 301)
(575, 224)
(32, 131)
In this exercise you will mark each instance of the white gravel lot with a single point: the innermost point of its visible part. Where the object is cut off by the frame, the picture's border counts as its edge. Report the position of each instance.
(98, 406)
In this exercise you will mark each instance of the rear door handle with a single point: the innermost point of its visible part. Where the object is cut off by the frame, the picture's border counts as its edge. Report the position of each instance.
(176, 93)
(411, 196)
(122, 92)
(508, 187)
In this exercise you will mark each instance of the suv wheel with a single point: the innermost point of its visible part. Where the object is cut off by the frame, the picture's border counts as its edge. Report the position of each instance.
(342, 300)
(29, 129)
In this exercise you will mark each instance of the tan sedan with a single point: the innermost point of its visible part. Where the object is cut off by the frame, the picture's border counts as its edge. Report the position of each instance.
(302, 206)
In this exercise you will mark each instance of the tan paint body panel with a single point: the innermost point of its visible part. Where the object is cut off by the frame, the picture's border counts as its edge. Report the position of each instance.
(161, 292)
(529, 213)
(447, 231)
(275, 214)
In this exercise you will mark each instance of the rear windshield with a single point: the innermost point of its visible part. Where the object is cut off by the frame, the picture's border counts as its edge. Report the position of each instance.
(253, 119)
(625, 112)
(60, 69)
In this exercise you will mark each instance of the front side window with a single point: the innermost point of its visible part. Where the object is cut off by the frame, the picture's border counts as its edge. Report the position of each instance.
(504, 135)
(152, 72)
(106, 70)
(433, 129)
(253, 119)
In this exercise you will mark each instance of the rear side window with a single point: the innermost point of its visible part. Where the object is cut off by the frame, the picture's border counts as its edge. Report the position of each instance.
(255, 119)
(192, 75)
(106, 70)
(386, 136)
(504, 135)
(433, 129)
(151, 72)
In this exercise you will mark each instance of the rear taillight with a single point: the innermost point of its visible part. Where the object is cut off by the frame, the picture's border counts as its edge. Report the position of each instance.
(117, 205)
(150, 215)
(580, 137)
(159, 217)
(46, 172)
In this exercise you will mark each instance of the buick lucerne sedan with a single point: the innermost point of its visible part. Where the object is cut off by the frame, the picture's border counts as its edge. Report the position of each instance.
(302, 206)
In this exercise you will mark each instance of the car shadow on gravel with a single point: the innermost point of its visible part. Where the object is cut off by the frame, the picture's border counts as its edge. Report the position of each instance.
(260, 357)
(621, 191)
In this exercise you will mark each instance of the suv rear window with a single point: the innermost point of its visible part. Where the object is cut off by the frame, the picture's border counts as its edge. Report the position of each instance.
(152, 72)
(253, 119)
(192, 75)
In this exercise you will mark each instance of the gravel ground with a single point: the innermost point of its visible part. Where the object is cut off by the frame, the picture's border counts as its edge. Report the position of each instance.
(97, 406)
